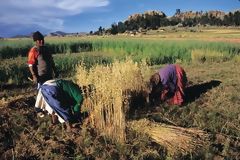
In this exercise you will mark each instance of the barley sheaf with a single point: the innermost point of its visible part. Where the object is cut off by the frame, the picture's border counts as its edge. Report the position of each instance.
(109, 103)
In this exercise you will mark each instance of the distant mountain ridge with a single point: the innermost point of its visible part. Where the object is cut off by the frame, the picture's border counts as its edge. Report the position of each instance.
(52, 34)
(63, 34)
(22, 36)
(57, 33)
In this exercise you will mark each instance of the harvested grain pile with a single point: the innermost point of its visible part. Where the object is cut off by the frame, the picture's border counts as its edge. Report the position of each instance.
(177, 140)
(113, 84)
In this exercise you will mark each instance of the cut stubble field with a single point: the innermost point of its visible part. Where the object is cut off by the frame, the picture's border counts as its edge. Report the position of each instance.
(213, 107)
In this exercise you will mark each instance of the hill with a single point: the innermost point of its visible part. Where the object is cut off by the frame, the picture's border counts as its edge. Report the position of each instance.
(53, 34)
(22, 36)
(190, 14)
(155, 19)
(57, 33)
(64, 34)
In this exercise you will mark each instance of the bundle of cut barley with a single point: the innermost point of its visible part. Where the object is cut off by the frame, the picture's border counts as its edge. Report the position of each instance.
(113, 85)
(177, 140)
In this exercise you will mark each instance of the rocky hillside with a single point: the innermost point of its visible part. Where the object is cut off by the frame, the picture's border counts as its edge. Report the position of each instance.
(135, 17)
(191, 14)
(155, 19)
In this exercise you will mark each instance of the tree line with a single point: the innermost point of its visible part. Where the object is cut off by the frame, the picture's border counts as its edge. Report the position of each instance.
(155, 19)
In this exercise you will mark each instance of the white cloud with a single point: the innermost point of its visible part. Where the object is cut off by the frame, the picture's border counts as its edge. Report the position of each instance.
(48, 14)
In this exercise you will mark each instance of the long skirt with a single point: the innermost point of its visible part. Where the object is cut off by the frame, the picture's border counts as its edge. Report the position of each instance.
(54, 97)
(179, 95)
(44, 106)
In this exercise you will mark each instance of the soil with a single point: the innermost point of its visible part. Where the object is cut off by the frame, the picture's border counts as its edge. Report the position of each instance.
(25, 136)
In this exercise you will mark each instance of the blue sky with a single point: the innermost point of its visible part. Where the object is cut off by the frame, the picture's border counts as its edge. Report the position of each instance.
(26, 16)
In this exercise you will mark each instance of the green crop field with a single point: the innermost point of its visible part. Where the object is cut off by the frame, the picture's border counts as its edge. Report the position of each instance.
(210, 57)
(153, 48)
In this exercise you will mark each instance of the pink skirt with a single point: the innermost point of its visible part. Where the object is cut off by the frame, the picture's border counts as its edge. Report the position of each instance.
(179, 95)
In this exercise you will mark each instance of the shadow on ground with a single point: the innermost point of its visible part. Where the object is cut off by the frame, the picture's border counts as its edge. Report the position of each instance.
(14, 86)
(193, 92)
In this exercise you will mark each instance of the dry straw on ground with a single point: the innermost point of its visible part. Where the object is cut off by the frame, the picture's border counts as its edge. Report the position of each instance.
(177, 140)
(108, 105)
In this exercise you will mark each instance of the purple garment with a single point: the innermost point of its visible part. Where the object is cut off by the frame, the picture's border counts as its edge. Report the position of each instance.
(169, 77)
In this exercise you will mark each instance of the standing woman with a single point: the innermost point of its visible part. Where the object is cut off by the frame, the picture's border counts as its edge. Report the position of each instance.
(168, 84)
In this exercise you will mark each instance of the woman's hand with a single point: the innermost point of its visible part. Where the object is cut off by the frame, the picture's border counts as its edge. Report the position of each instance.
(164, 95)
(34, 78)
